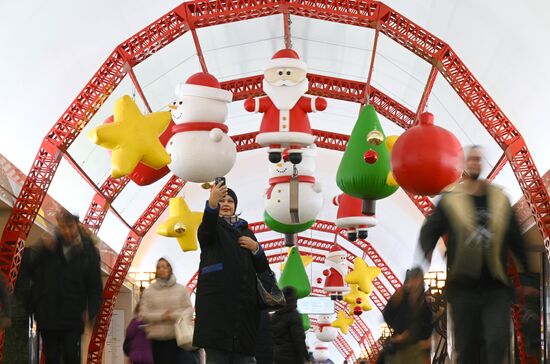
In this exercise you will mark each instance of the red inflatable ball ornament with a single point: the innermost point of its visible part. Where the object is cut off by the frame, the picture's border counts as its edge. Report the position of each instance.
(370, 156)
(426, 158)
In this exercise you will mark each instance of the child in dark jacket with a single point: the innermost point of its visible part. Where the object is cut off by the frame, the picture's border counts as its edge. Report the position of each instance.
(289, 339)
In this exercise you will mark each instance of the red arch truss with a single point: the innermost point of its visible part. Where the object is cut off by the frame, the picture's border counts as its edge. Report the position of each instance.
(196, 14)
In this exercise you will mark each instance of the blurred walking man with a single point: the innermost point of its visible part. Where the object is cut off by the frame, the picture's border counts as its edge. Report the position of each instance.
(482, 229)
(66, 288)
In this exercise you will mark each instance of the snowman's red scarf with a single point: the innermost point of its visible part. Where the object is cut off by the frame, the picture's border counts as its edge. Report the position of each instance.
(199, 126)
(286, 179)
(322, 326)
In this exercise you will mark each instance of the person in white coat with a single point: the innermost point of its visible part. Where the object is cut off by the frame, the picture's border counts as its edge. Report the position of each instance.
(163, 302)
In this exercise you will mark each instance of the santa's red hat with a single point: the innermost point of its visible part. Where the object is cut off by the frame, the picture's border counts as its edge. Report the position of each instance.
(205, 85)
(286, 58)
(336, 251)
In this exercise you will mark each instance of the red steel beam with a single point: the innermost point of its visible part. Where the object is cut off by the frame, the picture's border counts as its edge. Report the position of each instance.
(373, 56)
(423, 203)
(286, 27)
(92, 184)
(102, 201)
(191, 23)
(426, 93)
(498, 167)
(139, 90)
(205, 13)
(200, 55)
(123, 263)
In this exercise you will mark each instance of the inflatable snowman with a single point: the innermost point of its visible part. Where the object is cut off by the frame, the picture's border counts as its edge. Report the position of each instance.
(277, 215)
(351, 218)
(200, 148)
(321, 351)
(324, 330)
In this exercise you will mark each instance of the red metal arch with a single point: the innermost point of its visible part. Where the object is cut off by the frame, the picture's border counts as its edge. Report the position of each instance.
(197, 14)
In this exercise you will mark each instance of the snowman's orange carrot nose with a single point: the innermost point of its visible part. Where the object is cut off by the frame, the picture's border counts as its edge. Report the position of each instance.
(172, 107)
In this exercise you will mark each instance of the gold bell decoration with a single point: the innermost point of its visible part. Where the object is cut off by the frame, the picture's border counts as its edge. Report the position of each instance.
(375, 137)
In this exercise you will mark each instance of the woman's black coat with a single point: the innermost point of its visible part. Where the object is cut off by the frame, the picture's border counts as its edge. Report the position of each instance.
(227, 313)
(289, 339)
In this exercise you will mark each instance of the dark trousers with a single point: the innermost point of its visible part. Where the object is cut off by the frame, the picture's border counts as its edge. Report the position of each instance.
(481, 319)
(214, 356)
(61, 344)
(168, 352)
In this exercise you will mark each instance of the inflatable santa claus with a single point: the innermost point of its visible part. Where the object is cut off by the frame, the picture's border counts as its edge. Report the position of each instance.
(335, 273)
(200, 148)
(285, 123)
(351, 218)
(278, 215)
(324, 330)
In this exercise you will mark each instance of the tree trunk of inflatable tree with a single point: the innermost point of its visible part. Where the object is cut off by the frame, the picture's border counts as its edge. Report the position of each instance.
(290, 240)
(369, 207)
(365, 170)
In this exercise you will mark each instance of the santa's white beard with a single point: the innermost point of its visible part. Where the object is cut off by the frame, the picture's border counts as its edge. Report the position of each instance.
(285, 97)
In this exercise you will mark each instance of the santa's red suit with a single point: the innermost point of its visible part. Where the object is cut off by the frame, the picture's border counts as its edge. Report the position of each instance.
(350, 216)
(337, 270)
(285, 122)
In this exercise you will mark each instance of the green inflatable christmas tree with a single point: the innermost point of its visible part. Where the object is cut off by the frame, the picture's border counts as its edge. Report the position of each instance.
(305, 322)
(294, 274)
(365, 169)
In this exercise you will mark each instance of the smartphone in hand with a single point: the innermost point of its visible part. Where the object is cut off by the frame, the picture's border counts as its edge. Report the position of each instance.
(218, 180)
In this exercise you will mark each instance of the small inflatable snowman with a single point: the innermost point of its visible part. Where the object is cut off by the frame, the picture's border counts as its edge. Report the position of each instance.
(321, 351)
(324, 330)
(351, 218)
(200, 148)
(277, 215)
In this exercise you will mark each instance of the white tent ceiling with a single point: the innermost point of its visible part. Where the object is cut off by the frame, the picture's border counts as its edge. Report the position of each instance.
(50, 50)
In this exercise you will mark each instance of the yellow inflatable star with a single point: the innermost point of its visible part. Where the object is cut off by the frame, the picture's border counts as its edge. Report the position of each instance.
(362, 275)
(133, 138)
(390, 180)
(390, 141)
(342, 322)
(357, 298)
(306, 259)
(182, 224)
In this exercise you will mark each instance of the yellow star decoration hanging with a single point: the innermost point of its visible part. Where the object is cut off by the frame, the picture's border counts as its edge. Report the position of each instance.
(306, 259)
(133, 138)
(390, 141)
(182, 224)
(342, 322)
(362, 275)
(356, 294)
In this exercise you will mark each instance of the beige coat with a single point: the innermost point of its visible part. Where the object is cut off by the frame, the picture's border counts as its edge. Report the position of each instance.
(159, 298)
